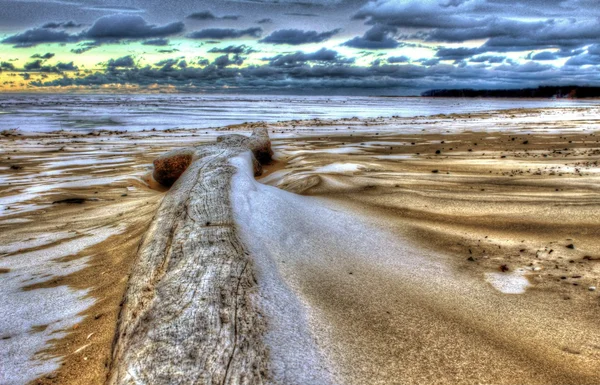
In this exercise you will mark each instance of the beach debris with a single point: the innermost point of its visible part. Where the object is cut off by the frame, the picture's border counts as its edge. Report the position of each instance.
(504, 268)
(570, 246)
(71, 201)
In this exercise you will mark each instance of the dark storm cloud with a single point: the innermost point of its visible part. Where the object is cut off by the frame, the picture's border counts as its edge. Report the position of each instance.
(168, 64)
(119, 27)
(66, 24)
(35, 36)
(107, 28)
(545, 55)
(590, 57)
(225, 33)
(540, 31)
(236, 50)
(225, 61)
(527, 67)
(428, 62)
(114, 8)
(125, 61)
(47, 55)
(301, 14)
(456, 53)
(84, 47)
(66, 66)
(157, 42)
(378, 37)
(300, 58)
(326, 75)
(498, 22)
(37, 65)
(34, 65)
(488, 59)
(297, 36)
(398, 59)
(207, 15)
(7, 66)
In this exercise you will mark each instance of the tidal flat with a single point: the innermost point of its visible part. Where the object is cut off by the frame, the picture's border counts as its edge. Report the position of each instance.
(434, 249)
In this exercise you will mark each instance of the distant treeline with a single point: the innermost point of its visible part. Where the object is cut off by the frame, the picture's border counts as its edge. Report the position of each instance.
(540, 92)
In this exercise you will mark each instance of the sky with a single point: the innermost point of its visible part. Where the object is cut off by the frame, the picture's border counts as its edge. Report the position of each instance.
(367, 47)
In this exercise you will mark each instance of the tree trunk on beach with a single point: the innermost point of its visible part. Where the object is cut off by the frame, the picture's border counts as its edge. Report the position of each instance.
(191, 314)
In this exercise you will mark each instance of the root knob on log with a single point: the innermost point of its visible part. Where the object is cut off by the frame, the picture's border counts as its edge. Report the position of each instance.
(169, 167)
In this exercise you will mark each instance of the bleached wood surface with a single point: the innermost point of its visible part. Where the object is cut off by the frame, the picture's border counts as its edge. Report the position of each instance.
(190, 313)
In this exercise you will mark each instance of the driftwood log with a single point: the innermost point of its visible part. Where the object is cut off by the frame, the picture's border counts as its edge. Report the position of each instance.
(190, 313)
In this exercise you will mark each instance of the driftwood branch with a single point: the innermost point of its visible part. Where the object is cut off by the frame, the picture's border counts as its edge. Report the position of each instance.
(190, 314)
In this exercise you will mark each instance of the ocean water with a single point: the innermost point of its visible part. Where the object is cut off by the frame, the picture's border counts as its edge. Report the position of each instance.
(51, 112)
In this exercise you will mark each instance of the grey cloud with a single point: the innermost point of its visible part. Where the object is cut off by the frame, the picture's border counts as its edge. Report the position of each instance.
(375, 38)
(265, 21)
(107, 28)
(157, 42)
(166, 64)
(301, 14)
(545, 55)
(7, 66)
(456, 53)
(66, 24)
(84, 47)
(207, 15)
(398, 59)
(225, 33)
(46, 56)
(494, 21)
(392, 79)
(299, 58)
(66, 66)
(34, 65)
(35, 36)
(120, 27)
(297, 36)
(591, 57)
(237, 50)
(37, 65)
(125, 61)
(527, 67)
(225, 61)
(429, 62)
(488, 59)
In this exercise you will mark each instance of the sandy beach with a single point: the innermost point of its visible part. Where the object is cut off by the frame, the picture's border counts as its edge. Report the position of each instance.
(436, 249)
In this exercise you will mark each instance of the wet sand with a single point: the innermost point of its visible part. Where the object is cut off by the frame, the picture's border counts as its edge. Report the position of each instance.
(509, 196)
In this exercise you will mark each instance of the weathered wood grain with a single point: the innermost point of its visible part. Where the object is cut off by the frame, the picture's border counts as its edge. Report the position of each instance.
(191, 314)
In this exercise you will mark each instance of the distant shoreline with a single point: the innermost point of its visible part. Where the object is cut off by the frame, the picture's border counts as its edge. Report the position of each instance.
(542, 92)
